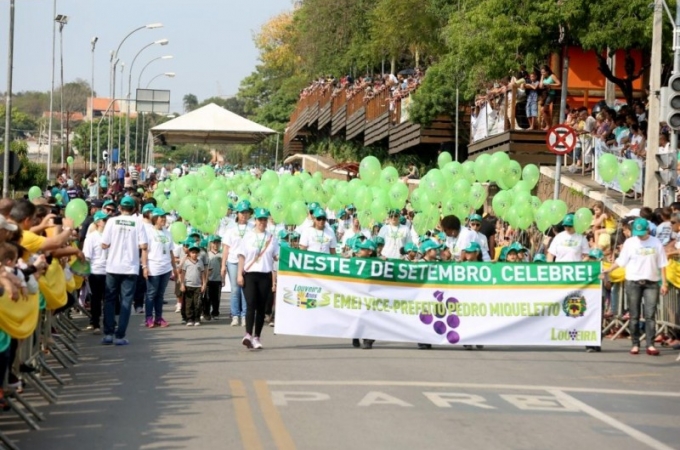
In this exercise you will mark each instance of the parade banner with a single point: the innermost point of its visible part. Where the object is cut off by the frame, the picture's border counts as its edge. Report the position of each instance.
(439, 303)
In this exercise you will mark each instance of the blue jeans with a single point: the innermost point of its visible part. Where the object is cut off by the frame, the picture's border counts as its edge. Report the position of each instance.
(238, 298)
(155, 291)
(636, 293)
(123, 286)
(614, 303)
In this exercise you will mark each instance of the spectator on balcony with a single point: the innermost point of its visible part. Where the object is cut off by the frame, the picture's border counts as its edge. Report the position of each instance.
(550, 83)
(531, 88)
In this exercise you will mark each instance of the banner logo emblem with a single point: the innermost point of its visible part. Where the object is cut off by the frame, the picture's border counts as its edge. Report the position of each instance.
(574, 305)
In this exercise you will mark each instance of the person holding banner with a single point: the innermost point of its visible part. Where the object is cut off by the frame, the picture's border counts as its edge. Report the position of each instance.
(645, 261)
(568, 246)
(367, 249)
(318, 238)
(257, 256)
(230, 241)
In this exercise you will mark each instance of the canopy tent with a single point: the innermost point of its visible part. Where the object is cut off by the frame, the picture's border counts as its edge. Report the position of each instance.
(210, 124)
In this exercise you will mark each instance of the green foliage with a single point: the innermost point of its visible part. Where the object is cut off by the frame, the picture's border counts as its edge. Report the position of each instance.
(190, 102)
(33, 103)
(30, 174)
(22, 123)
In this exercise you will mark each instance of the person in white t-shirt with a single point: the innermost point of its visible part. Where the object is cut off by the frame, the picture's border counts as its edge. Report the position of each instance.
(96, 255)
(354, 231)
(161, 266)
(257, 256)
(568, 246)
(395, 235)
(319, 238)
(475, 226)
(124, 237)
(230, 241)
(458, 237)
(645, 261)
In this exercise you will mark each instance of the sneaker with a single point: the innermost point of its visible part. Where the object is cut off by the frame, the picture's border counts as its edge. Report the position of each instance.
(206, 318)
(149, 323)
(139, 310)
(234, 321)
(184, 322)
(202, 317)
(107, 340)
(257, 345)
(271, 324)
(89, 327)
(97, 331)
(190, 323)
(178, 308)
(121, 341)
(247, 341)
(243, 321)
(161, 323)
(197, 323)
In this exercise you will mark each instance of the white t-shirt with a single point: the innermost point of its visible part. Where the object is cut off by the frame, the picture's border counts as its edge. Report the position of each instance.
(232, 238)
(484, 244)
(177, 171)
(395, 238)
(160, 251)
(259, 250)
(93, 251)
(642, 259)
(124, 234)
(567, 247)
(319, 241)
(457, 244)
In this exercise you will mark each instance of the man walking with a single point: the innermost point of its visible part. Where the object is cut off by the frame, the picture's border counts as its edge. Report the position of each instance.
(124, 237)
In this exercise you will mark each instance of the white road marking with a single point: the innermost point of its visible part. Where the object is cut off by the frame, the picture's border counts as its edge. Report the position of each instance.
(380, 398)
(282, 398)
(539, 403)
(428, 384)
(445, 399)
(612, 422)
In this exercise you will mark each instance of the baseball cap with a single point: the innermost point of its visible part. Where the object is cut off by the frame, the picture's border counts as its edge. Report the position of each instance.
(409, 247)
(341, 212)
(188, 242)
(261, 213)
(640, 227)
(148, 208)
(96, 203)
(312, 206)
(158, 212)
(7, 225)
(568, 220)
(595, 253)
(429, 245)
(539, 258)
(127, 202)
(350, 206)
(472, 248)
(195, 247)
(635, 212)
(243, 206)
(516, 246)
(283, 234)
(214, 238)
(475, 218)
(109, 203)
(367, 245)
(504, 254)
(100, 215)
(379, 241)
(318, 213)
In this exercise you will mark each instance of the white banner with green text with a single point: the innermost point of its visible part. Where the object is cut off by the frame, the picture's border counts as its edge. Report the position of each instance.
(438, 303)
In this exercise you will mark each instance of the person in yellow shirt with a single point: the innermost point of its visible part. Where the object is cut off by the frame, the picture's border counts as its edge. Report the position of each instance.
(22, 214)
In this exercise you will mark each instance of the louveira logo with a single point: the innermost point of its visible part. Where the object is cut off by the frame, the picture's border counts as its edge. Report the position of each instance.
(306, 297)
(557, 334)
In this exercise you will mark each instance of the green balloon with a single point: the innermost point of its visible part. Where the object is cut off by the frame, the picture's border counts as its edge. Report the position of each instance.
(454, 168)
(398, 195)
(297, 213)
(522, 186)
(531, 174)
(366, 219)
(629, 171)
(415, 198)
(420, 224)
(535, 203)
(207, 173)
(512, 173)
(469, 171)
(69, 160)
(178, 231)
(542, 218)
(482, 167)
(478, 195)
(522, 198)
(607, 167)
(76, 210)
(34, 192)
(583, 219)
(363, 198)
(462, 188)
(501, 202)
(369, 170)
(270, 178)
(497, 163)
(389, 175)
(379, 209)
(434, 182)
(443, 159)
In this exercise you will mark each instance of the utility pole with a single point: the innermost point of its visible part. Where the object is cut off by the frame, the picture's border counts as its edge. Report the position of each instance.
(651, 188)
(8, 102)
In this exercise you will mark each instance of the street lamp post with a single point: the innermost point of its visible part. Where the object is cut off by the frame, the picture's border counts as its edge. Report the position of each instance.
(139, 82)
(112, 73)
(49, 132)
(94, 43)
(8, 102)
(62, 21)
(129, 94)
(166, 74)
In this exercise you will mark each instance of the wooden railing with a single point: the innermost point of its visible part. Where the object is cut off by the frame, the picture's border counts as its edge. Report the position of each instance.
(338, 102)
(355, 103)
(378, 105)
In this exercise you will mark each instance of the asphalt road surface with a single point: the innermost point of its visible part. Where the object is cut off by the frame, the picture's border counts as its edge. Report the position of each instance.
(198, 388)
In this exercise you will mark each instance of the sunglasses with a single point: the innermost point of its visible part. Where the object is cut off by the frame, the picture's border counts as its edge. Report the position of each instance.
(321, 219)
(109, 209)
(475, 224)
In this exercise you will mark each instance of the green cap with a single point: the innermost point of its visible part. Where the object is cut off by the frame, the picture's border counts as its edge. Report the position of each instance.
(472, 247)
(158, 212)
(148, 208)
(379, 241)
(596, 253)
(394, 212)
(312, 206)
(128, 202)
(100, 215)
(516, 246)
(568, 220)
(188, 242)
(261, 213)
(294, 235)
(283, 234)
(475, 218)
(367, 245)
(214, 238)
(351, 206)
(194, 234)
(230, 206)
(402, 220)
(539, 258)
(429, 245)
(318, 213)
(204, 243)
(194, 246)
(341, 212)
(243, 206)
(284, 244)
(640, 227)
(410, 247)
(504, 253)
(109, 203)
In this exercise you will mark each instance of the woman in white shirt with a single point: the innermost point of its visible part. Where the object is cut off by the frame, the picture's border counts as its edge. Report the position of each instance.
(161, 264)
(318, 238)
(568, 246)
(257, 255)
(96, 256)
(644, 259)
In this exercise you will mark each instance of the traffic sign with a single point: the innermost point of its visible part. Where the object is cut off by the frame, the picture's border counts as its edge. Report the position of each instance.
(561, 139)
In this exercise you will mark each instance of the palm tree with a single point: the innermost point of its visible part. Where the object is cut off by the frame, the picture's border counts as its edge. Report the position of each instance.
(190, 102)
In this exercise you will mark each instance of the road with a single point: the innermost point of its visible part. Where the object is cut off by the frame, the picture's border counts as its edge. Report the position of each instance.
(198, 388)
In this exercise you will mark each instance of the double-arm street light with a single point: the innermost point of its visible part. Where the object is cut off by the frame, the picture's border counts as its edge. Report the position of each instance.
(129, 94)
(112, 73)
(62, 20)
(94, 44)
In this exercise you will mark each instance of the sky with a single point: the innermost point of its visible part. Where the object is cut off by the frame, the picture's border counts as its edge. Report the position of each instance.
(211, 41)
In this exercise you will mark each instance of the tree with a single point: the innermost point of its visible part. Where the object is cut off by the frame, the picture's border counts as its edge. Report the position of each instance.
(30, 173)
(22, 124)
(233, 104)
(33, 103)
(190, 102)
(75, 101)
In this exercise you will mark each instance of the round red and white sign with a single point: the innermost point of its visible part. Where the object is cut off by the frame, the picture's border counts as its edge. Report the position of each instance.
(561, 139)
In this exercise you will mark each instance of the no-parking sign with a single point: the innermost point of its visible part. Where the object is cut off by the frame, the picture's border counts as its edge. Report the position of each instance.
(561, 139)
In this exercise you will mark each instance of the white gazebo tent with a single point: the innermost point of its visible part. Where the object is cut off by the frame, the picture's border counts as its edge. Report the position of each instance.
(210, 124)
